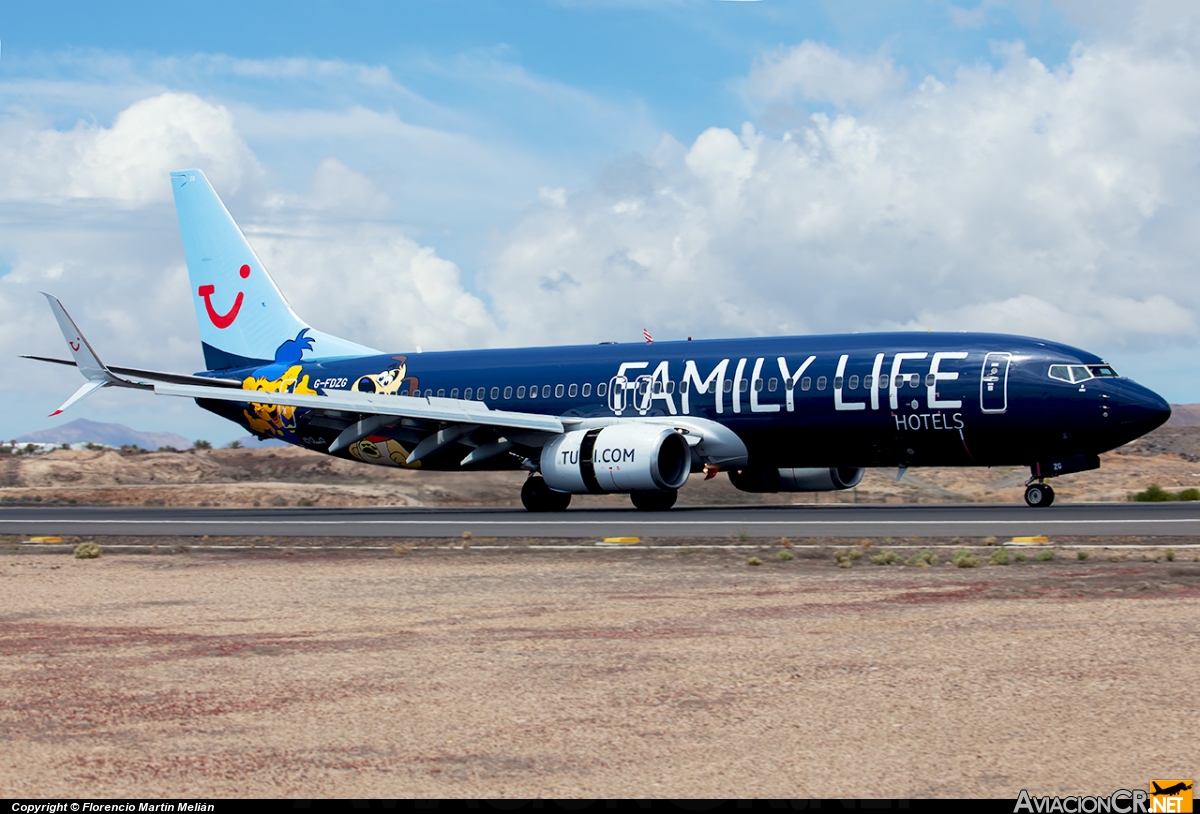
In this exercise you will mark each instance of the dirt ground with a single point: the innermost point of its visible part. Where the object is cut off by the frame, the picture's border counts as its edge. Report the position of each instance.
(1170, 457)
(678, 672)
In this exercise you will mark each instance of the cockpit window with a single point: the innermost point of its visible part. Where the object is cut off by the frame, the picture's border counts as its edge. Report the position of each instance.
(1075, 374)
(1103, 371)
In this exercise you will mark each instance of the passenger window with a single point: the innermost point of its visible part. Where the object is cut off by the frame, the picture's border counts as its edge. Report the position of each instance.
(728, 388)
(521, 392)
(758, 385)
(587, 389)
(883, 382)
(545, 391)
(573, 390)
(805, 383)
(533, 391)
(914, 380)
(508, 392)
(658, 387)
(428, 393)
(441, 393)
(670, 387)
(558, 391)
(821, 382)
(772, 384)
(743, 385)
(853, 383)
(1060, 372)
(837, 383)
(601, 388)
(454, 393)
(930, 380)
(868, 381)
(467, 393)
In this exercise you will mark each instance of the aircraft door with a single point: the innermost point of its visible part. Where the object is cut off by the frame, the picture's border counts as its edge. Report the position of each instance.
(617, 388)
(993, 382)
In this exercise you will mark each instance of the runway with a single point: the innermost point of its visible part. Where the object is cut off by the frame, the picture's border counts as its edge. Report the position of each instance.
(842, 520)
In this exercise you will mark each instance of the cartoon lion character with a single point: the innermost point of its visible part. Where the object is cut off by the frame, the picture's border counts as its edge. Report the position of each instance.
(368, 450)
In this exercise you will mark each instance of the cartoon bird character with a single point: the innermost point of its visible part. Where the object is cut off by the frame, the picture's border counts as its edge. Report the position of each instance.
(281, 376)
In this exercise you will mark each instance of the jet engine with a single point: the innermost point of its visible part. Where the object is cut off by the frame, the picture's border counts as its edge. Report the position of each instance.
(792, 479)
(625, 457)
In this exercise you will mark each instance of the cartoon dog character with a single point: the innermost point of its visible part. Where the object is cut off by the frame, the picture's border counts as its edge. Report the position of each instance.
(281, 376)
(388, 382)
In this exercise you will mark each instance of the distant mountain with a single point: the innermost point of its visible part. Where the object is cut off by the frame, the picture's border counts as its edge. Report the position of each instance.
(82, 431)
(1184, 415)
(250, 442)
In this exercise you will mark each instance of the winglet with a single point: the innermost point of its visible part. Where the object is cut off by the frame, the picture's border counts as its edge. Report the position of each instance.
(86, 360)
(85, 357)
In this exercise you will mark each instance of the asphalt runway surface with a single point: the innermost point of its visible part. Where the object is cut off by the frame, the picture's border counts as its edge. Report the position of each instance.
(840, 520)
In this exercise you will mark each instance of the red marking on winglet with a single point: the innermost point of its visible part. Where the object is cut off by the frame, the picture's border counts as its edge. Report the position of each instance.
(220, 320)
(56, 412)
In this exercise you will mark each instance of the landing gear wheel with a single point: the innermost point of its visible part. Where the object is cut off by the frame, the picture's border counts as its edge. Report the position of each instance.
(1039, 495)
(536, 496)
(654, 501)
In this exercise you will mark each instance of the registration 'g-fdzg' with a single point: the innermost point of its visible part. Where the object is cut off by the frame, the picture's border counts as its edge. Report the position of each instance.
(777, 414)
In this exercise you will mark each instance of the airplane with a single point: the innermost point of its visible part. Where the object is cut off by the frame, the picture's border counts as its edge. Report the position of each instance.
(776, 414)
(1170, 791)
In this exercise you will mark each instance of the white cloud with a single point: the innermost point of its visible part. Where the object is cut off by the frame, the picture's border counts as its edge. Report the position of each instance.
(128, 161)
(1056, 202)
(814, 72)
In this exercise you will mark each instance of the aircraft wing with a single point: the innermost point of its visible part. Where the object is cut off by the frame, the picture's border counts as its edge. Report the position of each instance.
(148, 376)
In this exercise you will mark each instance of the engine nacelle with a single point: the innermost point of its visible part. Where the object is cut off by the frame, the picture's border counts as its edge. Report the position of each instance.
(624, 457)
(792, 479)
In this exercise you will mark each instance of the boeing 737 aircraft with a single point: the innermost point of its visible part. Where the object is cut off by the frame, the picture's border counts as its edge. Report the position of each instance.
(777, 414)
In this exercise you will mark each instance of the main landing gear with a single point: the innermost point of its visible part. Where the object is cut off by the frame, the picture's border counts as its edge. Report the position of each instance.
(536, 496)
(1039, 495)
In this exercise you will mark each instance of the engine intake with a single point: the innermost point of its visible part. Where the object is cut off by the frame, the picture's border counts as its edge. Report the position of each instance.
(793, 479)
(617, 458)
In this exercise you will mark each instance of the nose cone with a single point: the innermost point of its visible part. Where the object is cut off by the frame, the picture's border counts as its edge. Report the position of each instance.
(1142, 410)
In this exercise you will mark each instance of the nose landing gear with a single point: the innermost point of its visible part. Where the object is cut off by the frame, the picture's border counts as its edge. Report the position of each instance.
(1038, 495)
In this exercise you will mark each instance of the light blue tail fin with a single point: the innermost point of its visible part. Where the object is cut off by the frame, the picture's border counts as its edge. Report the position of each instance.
(244, 319)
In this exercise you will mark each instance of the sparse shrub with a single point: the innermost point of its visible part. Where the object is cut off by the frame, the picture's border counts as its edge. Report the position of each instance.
(1188, 494)
(1000, 557)
(87, 551)
(885, 558)
(743, 536)
(923, 560)
(278, 500)
(754, 561)
(466, 535)
(1081, 555)
(1115, 558)
(234, 445)
(965, 559)
(402, 549)
(1019, 558)
(785, 542)
(844, 564)
(1045, 556)
(1170, 555)
(989, 540)
(1155, 494)
(201, 444)
(855, 554)
(786, 555)
(304, 502)
(687, 551)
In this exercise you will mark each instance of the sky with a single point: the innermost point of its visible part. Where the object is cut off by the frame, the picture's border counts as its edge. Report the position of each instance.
(483, 174)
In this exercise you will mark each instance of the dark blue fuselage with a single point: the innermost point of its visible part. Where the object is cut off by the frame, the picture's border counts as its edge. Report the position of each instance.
(857, 400)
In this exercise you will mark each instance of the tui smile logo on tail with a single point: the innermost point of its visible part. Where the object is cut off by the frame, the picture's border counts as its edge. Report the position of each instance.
(223, 321)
